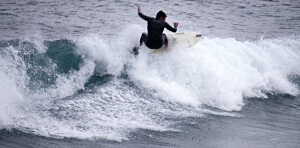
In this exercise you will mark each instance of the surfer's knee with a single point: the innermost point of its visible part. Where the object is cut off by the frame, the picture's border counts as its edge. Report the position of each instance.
(144, 36)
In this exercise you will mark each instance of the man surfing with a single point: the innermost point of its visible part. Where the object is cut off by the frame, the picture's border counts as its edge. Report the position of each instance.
(155, 38)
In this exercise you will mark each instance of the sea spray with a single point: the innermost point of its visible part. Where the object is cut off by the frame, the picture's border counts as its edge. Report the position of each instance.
(13, 80)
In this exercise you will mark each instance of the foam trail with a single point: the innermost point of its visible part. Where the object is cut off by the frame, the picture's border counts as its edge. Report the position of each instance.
(221, 72)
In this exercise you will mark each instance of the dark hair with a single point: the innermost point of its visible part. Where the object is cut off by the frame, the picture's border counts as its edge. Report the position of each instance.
(160, 14)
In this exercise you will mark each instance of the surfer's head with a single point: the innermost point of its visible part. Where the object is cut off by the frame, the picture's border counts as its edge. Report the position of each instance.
(161, 15)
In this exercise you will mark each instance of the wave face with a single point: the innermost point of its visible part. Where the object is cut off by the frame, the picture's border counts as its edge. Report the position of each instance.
(92, 87)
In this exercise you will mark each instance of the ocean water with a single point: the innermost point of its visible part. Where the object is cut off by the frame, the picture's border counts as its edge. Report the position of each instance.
(68, 79)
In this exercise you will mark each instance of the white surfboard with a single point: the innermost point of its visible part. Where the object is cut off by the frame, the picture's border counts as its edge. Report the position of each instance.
(182, 40)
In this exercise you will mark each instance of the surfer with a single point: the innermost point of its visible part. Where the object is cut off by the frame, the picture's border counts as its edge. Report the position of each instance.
(155, 38)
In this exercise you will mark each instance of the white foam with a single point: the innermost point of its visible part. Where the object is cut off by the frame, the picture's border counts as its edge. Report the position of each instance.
(216, 72)
(69, 84)
(110, 112)
(220, 72)
(112, 54)
(13, 79)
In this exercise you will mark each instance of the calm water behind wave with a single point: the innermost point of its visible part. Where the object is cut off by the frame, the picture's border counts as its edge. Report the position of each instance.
(67, 79)
(68, 18)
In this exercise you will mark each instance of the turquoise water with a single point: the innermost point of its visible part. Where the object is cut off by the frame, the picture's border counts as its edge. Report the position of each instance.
(68, 78)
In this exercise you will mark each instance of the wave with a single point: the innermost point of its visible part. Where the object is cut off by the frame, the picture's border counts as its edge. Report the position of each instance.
(221, 72)
(93, 87)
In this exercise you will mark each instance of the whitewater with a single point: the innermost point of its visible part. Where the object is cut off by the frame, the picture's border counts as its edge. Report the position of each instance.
(88, 89)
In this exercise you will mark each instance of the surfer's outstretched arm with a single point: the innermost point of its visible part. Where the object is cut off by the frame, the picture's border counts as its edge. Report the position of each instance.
(146, 18)
(171, 28)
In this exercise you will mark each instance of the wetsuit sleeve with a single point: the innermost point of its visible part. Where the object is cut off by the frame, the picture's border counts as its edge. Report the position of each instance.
(146, 18)
(170, 28)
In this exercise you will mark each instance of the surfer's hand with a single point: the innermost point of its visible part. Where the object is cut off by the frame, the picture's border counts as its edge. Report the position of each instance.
(176, 24)
(139, 8)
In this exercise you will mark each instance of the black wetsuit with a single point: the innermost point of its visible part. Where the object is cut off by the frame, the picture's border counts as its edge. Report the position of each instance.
(155, 38)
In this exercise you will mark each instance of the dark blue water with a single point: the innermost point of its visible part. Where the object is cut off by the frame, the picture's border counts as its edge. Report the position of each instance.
(68, 79)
